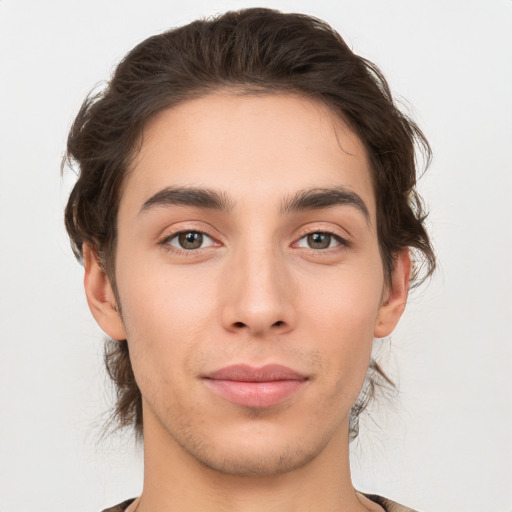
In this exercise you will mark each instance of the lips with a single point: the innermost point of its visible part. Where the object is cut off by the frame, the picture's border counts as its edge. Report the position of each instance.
(255, 387)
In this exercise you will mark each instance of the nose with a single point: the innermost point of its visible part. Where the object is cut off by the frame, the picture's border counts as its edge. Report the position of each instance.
(258, 294)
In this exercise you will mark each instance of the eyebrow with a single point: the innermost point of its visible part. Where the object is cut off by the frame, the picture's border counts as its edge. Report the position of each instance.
(209, 199)
(189, 196)
(318, 198)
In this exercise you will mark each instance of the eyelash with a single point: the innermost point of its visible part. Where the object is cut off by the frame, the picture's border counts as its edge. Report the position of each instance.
(343, 243)
(166, 242)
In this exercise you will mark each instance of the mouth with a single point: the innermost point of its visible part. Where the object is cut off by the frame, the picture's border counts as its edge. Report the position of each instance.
(249, 386)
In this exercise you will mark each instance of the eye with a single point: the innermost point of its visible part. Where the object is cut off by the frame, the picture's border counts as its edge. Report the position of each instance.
(320, 240)
(189, 240)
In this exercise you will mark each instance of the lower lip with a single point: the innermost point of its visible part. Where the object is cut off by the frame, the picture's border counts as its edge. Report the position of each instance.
(255, 394)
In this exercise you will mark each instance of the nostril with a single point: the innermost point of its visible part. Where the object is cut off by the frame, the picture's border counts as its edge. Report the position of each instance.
(277, 324)
(239, 324)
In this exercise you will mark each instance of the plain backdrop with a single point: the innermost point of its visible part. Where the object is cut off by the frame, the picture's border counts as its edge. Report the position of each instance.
(446, 443)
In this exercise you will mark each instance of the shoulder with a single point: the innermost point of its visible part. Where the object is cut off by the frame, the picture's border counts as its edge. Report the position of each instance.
(388, 505)
(121, 507)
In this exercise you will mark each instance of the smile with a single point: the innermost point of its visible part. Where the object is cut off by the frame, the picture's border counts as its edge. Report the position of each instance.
(255, 387)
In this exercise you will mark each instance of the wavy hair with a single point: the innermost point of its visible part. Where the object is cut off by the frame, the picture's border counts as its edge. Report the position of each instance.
(254, 51)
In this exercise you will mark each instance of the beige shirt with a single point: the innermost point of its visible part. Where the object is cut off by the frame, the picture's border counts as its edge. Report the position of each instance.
(388, 505)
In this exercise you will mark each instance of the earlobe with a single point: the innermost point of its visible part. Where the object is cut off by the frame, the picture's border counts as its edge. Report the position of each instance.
(396, 297)
(100, 295)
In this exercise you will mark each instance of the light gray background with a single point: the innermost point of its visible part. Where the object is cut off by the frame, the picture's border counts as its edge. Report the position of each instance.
(446, 445)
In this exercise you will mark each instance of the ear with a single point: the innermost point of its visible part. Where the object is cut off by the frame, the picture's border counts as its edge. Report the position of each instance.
(395, 296)
(100, 296)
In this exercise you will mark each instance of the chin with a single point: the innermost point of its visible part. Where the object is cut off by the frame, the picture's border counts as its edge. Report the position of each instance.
(250, 442)
(256, 461)
(262, 450)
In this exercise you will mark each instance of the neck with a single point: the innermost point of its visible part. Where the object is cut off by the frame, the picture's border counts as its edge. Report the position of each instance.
(174, 480)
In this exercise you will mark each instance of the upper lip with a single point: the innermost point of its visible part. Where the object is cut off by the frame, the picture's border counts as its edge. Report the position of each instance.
(247, 373)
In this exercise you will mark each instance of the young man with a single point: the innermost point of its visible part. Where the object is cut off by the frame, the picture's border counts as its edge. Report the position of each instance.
(245, 212)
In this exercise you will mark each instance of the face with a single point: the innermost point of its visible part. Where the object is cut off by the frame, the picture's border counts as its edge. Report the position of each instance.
(250, 280)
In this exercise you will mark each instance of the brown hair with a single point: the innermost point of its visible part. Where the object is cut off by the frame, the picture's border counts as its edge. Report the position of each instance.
(253, 50)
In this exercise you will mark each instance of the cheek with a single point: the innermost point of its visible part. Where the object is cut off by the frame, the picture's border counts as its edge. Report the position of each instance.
(346, 301)
(342, 318)
(165, 317)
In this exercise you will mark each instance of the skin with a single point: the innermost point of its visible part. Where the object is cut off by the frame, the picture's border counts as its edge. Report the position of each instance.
(255, 292)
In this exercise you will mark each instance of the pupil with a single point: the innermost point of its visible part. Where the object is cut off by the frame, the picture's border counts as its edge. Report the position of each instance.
(191, 240)
(319, 240)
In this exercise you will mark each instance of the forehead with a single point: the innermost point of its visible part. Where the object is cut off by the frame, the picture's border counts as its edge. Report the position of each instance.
(249, 146)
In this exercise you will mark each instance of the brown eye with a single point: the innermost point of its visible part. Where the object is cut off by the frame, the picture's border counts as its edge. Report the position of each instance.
(320, 240)
(190, 240)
